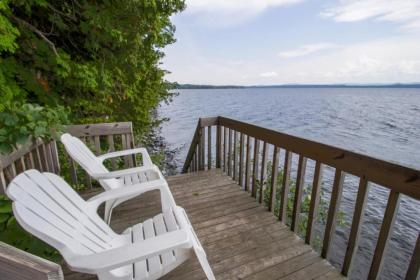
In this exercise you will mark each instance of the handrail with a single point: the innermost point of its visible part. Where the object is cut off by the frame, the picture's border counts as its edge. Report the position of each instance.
(395, 177)
(18, 264)
(402, 179)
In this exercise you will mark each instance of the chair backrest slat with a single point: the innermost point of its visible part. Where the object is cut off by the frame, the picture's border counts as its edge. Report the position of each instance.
(49, 208)
(86, 158)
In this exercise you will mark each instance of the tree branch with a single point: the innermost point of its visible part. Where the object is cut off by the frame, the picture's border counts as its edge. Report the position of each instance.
(61, 13)
(36, 31)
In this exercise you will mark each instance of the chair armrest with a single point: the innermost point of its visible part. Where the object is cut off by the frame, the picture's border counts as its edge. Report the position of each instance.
(124, 172)
(136, 189)
(131, 253)
(147, 161)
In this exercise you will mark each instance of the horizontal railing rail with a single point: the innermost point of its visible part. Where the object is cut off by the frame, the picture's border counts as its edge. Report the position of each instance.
(17, 264)
(242, 151)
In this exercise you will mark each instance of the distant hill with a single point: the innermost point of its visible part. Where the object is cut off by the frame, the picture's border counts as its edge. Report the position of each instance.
(395, 85)
(191, 86)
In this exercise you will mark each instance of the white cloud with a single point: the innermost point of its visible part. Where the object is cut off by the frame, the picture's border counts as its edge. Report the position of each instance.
(306, 50)
(229, 12)
(405, 12)
(269, 74)
(389, 60)
(381, 61)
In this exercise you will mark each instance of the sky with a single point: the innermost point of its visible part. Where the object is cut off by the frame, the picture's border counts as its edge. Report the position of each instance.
(263, 42)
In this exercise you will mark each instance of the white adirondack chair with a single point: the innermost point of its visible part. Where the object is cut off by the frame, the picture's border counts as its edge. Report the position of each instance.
(111, 179)
(46, 206)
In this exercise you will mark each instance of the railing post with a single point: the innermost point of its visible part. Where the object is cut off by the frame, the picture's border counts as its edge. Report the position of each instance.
(389, 219)
(413, 269)
(263, 171)
(284, 196)
(359, 210)
(247, 162)
(225, 146)
(235, 156)
(255, 167)
(209, 147)
(316, 187)
(336, 193)
(229, 167)
(298, 193)
(218, 146)
(274, 173)
(202, 147)
(241, 160)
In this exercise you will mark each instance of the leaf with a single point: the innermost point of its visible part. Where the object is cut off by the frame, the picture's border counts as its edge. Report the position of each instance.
(11, 120)
(22, 139)
(4, 217)
(39, 131)
(6, 208)
(5, 148)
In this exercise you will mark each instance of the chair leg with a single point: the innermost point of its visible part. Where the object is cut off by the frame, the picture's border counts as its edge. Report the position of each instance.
(202, 259)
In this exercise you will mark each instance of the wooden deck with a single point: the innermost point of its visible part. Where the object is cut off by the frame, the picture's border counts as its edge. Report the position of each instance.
(242, 239)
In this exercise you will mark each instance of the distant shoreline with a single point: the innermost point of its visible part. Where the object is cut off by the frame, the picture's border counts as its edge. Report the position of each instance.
(396, 85)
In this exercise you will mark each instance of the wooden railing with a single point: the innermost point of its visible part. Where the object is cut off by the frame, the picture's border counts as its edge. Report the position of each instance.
(51, 157)
(34, 155)
(17, 264)
(242, 150)
(102, 138)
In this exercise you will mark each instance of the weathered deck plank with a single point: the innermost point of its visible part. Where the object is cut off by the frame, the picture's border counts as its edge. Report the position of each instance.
(242, 239)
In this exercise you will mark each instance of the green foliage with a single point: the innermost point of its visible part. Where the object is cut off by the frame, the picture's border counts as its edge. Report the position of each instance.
(12, 233)
(78, 61)
(100, 59)
(20, 121)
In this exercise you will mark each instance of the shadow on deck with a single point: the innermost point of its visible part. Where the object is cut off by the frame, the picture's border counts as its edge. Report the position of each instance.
(242, 239)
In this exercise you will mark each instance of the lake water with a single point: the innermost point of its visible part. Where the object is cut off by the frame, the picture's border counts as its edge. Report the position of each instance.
(381, 122)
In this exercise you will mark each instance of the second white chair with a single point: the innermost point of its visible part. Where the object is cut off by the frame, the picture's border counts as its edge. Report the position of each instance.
(109, 180)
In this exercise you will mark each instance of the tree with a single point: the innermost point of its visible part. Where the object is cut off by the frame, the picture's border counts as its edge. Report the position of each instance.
(77, 61)
(99, 59)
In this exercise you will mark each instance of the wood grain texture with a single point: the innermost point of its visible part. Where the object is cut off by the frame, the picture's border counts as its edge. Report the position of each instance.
(413, 269)
(336, 193)
(241, 160)
(247, 162)
(235, 156)
(225, 149)
(209, 152)
(274, 174)
(17, 264)
(230, 153)
(218, 146)
(313, 206)
(300, 181)
(384, 234)
(100, 129)
(263, 171)
(255, 167)
(229, 224)
(399, 178)
(203, 148)
(359, 210)
(284, 195)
